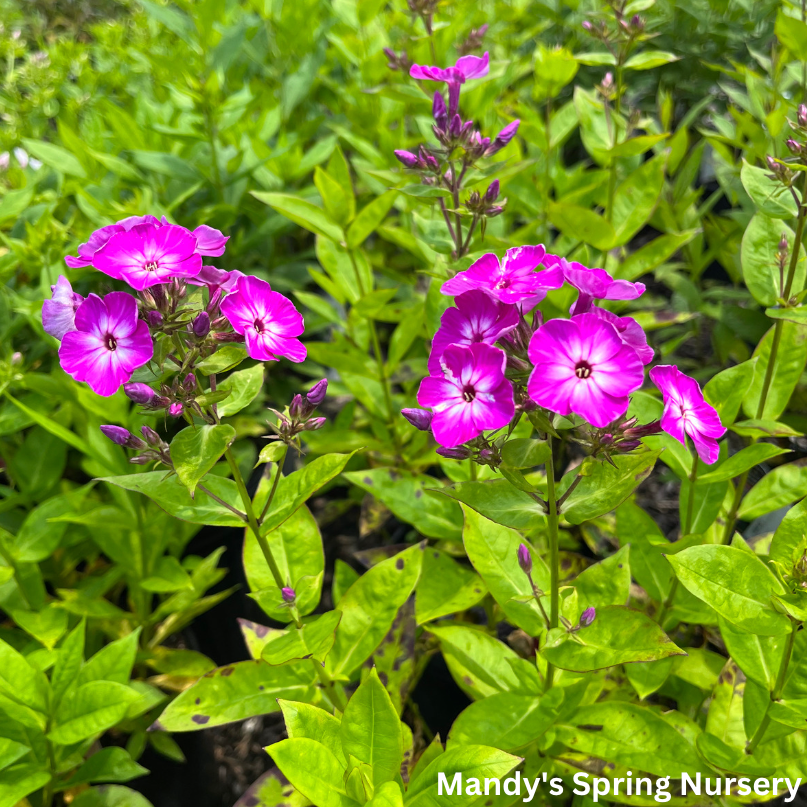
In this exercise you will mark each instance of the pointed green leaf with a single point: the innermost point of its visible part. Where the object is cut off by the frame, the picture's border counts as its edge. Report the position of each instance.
(196, 449)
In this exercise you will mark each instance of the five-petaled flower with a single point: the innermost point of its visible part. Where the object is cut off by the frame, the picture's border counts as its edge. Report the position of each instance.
(686, 412)
(467, 67)
(477, 318)
(108, 344)
(594, 284)
(59, 313)
(583, 367)
(470, 396)
(513, 280)
(268, 321)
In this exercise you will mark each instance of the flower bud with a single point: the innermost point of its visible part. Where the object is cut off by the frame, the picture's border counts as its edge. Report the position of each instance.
(772, 164)
(492, 193)
(143, 459)
(588, 616)
(176, 409)
(525, 559)
(314, 424)
(141, 394)
(288, 594)
(421, 419)
(408, 159)
(297, 407)
(439, 111)
(455, 127)
(151, 437)
(189, 382)
(504, 137)
(122, 437)
(316, 395)
(783, 245)
(587, 26)
(201, 325)
(458, 453)
(154, 319)
(802, 116)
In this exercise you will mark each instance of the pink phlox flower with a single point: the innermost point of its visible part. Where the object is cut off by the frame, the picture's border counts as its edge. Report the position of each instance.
(147, 255)
(59, 313)
(268, 321)
(594, 284)
(686, 412)
(108, 344)
(514, 280)
(630, 332)
(477, 318)
(583, 367)
(471, 394)
(209, 241)
(467, 67)
(216, 279)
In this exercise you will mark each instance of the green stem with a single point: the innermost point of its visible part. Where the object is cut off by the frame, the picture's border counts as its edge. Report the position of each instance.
(473, 470)
(731, 518)
(278, 469)
(554, 561)
(776, 692)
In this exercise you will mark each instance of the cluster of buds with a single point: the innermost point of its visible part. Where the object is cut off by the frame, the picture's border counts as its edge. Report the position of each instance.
(798, 147)
(423, 161)
(298, 416)
(619, 437)
(627, 30)
(396, 62)
(780, 171)
(152, 447)
(175, 398)
(606, 88)
(483, 204)
(473, 41)
(425, 10)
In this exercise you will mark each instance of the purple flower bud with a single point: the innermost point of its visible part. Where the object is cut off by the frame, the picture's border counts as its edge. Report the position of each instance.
(408, 159)
(504, 137)
(151, 437)
(458, 453)
(189, 382)
(288, 594)
(794, 146)
(802, 116)
(390, 53)
(176, 409)
(783, 245)
(122, 437)
(314, 424)
(439, 111)
(455, 127)
(201, 325)
(494, 211)
(421, 419)
(772, 164)
(492, 193)
(525, 559)
(316, 395)
(587, 25)
(588, 616)
(154, 319)
(297, 407)
(141, 394)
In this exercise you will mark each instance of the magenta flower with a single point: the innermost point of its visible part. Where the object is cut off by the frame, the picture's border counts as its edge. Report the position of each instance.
(471, 395)
(109, 342)
(514, 280)
(148, 255)
(467, 67)
(630, 332)
(216, 279)
(477, 318)
(209, 241)
(268, 321)
(583, 367)
(594, 284)
(59, 313)
(686, 412)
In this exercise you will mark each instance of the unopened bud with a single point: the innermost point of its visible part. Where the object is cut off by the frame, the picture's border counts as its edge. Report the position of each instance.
(459, 453)
(313, 424)
(439, 111)
(587, 26)
(143, 459)
(122, 437)
(802, 116)
(793, 145)
(288, 594)
(421, 419)
(154, 319)
(408, 159)
(783, 245)
(504, 137)
(189, 382)
(588, 616)
(141, 394)
(151, 437)
(492, 193)
(297, 407)
(201, 325)
(455, 127)
(525, 559)
(316, 395)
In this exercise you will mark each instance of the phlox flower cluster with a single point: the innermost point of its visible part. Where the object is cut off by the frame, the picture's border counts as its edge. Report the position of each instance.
(493, 356)
(104, 340)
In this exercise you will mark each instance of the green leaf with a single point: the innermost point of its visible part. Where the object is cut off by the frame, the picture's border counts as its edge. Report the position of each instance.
(790, 539)
(604, 487)
(506, 720)
(313, 770)
(168, 575)
(735, 583)
(314, 640)
(305, 720)
(301, 212)
(648, 59)
(297, 548)
(778, 488)
(759, 657)
(371, 731)
(256, 636)
(492, 549)
(90, 710)
(55, 157)
(107, 765)
(769, 195)
(225, 358)
(335, 197)
(606, 582)
(797, 314)
(196, 449)
(406, 494)
(637, 737)
(790, 361)
(369, 608)
(19, 781)
(525, 453)
(636, 198)
(69, 659)
(20, 682)
(744, 460)
(46, 626)
(110, 796)
(113, 662)
(792, 33)
(245, 385)
(369, 218)
(445, 587)
(726, 390)
(15, 202)
(500, 502)
(596, 58)
(758, 256)
(236, 692)
(647, 677)
(429, 192)
(651, 255)
(471, 762)
(618, 635)
(389, 794)
(583, 224)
